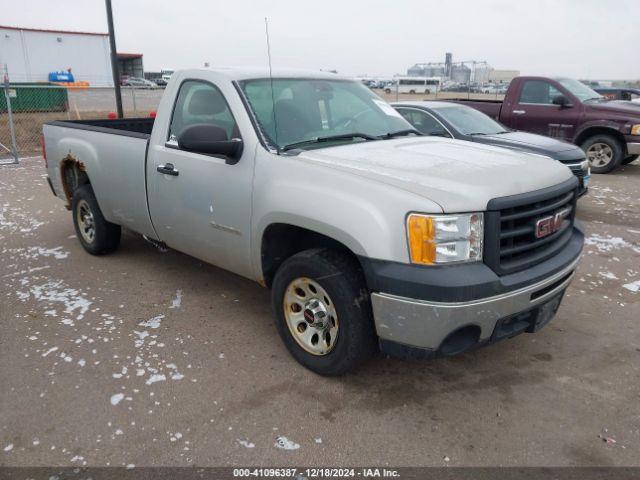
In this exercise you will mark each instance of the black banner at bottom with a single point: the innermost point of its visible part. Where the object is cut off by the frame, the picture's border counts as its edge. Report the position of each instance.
(319, 473)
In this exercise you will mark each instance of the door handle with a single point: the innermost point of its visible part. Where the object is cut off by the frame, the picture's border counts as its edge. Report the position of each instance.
(168, 169)
(519, 112)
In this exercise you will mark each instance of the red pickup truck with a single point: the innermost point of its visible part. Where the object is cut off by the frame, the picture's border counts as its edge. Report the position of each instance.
(566, 109)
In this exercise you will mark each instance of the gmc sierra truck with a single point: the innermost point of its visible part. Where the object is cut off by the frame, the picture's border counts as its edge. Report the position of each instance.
(369, 235)
(566, 109)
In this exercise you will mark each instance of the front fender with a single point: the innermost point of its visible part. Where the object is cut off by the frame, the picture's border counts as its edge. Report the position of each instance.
(582, 132)
(366, 216)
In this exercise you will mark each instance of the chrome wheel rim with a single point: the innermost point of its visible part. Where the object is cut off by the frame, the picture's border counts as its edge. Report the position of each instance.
(86, 223)
(600, 154)
(311, 316)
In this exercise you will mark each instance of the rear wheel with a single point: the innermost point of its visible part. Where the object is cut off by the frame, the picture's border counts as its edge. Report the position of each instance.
(630, 159)
(604, 153)
(412, 92)
(323, 312)
(96, 235)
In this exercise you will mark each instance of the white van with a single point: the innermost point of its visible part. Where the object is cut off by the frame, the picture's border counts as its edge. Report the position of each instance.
(414, 85)
(166, 74)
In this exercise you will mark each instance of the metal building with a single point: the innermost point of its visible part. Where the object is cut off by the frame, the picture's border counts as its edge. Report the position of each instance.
(31, 54)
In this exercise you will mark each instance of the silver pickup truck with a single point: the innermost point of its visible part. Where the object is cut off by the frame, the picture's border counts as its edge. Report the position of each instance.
(370, 236)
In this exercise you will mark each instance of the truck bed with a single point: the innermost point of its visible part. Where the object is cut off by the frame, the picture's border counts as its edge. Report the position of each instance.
(131, 127)
(113, 153)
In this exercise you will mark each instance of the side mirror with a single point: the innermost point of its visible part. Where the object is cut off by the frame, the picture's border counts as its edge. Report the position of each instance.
(562, 101)
(210, 140)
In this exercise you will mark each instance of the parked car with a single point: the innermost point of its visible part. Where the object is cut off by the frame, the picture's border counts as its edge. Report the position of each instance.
(566, 109)
(453, 120)
(137, 82)
(160, 82)
(368, 234)
(493, 88)
(619, 93)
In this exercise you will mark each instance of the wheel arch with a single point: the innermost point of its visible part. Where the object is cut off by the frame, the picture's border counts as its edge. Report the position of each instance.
(594, 130)
(281, 240)
(73, 175)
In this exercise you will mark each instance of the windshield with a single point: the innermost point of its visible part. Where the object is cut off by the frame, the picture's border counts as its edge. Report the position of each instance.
(470, 121)
(309, 109)
(579, 89)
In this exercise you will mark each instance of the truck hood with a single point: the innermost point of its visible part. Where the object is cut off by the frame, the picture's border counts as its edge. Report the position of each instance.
(617, 106)
(459, 176)
(529, 142)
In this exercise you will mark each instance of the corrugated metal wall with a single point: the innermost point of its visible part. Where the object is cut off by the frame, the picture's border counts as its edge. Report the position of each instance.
(31, 55)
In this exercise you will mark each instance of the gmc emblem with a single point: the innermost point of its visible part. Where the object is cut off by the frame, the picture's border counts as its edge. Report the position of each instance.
(548, 225)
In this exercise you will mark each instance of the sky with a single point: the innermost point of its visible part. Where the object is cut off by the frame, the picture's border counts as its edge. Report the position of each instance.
(587, 39)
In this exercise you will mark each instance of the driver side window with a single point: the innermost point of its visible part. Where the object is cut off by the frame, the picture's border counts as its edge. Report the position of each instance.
(538, 92)
(201, 102)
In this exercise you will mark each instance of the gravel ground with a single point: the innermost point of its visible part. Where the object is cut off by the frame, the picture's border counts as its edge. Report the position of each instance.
(154, 358)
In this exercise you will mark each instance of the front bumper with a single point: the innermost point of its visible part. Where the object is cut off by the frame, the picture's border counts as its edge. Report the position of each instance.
(633, 148)
(412, 327)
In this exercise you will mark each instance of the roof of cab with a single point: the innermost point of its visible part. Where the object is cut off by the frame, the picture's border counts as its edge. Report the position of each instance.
(247, 73)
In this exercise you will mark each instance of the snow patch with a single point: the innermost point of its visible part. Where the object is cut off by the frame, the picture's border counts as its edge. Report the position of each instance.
(609, 243)
(177, 302)
(633, 286)
(152, 322)
(609, 275)
(158, 377)
(54, 292)
(51, 350)
(285, 444)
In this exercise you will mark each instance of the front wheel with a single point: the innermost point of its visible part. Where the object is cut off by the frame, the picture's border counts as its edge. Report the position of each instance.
(97, 236)
(323, 311)
(604, 153)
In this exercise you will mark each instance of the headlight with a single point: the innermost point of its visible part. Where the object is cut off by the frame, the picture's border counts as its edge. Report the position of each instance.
(437, 239)
(635, 130)
(584, 166)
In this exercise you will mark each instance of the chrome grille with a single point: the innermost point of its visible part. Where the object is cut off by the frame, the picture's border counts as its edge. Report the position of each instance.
(511, 240)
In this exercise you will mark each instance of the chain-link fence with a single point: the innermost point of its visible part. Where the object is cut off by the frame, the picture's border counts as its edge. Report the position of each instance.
(24, 108)
(394, 92)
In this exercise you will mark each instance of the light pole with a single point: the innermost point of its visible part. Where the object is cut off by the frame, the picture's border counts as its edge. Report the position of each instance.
(114, 59)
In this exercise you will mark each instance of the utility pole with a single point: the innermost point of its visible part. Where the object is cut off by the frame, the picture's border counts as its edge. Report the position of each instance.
(114, 59)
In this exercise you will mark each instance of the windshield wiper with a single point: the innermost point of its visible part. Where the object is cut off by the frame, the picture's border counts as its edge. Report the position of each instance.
(330, 138)
(401, 133)
(477, 133)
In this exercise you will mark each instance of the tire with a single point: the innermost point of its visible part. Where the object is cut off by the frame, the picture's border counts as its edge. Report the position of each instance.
(343, 296)
(96, 235)
(412, 92)
(604, 153)
(427, 91)
(387, 91)
(630, 159)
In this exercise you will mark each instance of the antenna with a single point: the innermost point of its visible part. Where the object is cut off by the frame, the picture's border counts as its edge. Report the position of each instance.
(273, 100)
